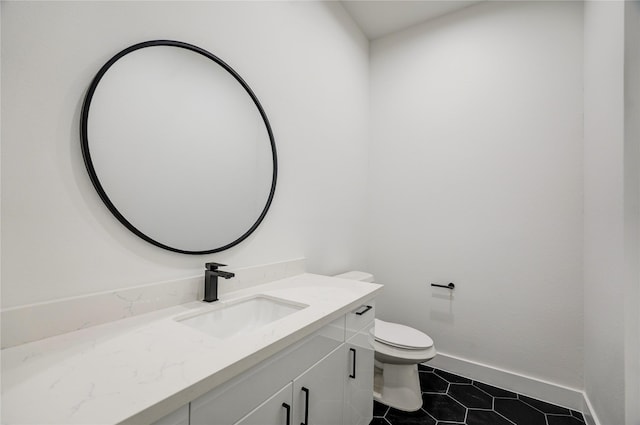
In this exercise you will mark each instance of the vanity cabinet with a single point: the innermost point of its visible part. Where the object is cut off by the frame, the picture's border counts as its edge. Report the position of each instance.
(234, 400)
(325, 379)
(358, 396)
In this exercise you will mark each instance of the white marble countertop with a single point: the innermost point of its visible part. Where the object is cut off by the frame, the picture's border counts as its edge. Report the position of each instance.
(137, 370)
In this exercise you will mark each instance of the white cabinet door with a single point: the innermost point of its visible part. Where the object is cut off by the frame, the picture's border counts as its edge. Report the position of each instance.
(318, 394)
(358, 397)
(275, 411)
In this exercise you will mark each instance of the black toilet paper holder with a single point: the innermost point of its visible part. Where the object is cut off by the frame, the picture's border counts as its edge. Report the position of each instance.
(449, 286)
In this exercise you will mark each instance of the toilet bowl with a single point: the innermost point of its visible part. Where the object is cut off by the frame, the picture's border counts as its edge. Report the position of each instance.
(398, 351)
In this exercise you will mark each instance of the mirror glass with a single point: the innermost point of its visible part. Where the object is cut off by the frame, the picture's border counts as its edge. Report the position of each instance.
(178, 147)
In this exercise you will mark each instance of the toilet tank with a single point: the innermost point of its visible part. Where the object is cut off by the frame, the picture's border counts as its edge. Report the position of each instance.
(356, 275)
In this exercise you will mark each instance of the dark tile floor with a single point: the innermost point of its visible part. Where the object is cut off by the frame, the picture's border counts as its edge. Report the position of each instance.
(449, 399)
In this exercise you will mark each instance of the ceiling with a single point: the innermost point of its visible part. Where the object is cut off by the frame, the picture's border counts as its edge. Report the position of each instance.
(382, 17)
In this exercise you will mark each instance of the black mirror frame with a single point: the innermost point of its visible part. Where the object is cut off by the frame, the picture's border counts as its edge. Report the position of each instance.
(84, 139)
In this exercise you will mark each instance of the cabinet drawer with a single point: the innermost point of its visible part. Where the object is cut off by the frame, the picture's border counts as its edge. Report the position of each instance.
(360, 317)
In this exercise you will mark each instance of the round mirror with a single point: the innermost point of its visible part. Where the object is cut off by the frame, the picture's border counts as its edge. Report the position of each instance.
(178, 147)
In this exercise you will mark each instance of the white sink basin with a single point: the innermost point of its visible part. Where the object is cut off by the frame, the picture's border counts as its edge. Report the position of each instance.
(241, 317)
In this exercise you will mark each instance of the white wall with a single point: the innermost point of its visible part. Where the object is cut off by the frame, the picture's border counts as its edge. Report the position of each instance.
(612, 210)
(306, 62)
(476, 179)
(632, 209)
(604, 213)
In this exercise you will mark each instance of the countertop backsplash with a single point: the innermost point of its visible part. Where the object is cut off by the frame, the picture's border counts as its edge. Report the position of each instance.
(33, 322)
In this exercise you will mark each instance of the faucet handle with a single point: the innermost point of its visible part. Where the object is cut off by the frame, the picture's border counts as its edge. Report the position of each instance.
(213, 266)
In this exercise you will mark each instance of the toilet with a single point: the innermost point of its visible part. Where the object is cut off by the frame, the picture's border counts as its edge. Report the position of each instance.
(398, 351)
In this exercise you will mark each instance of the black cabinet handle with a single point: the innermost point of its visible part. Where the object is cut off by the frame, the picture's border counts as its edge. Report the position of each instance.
(353, 370)
(306, 406)
(286, 406)
(367, 308)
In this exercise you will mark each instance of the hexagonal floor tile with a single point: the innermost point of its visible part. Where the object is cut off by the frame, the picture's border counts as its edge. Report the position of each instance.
(577, 415)
(432, 383)
(494, 391)
(451, 378)
(379, 421)
(563, 420)
(485, 417)
(419, 417)
(545, 407)
(470, 396)
(519, 412)
(449, 399)
(379, 409)
(443, 408)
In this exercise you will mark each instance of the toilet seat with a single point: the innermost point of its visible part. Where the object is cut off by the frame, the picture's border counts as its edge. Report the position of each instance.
(395, 355)
(400, 336)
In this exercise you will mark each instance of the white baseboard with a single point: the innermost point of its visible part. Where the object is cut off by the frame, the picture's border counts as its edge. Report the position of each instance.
(588, 412)
(560, 395)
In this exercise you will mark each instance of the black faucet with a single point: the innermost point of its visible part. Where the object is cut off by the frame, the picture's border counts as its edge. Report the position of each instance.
(211, 275)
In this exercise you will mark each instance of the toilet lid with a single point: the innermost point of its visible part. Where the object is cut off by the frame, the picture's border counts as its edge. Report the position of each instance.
(401, 336)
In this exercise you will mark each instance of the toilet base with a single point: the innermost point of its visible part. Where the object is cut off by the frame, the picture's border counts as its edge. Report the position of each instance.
(398, 386)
